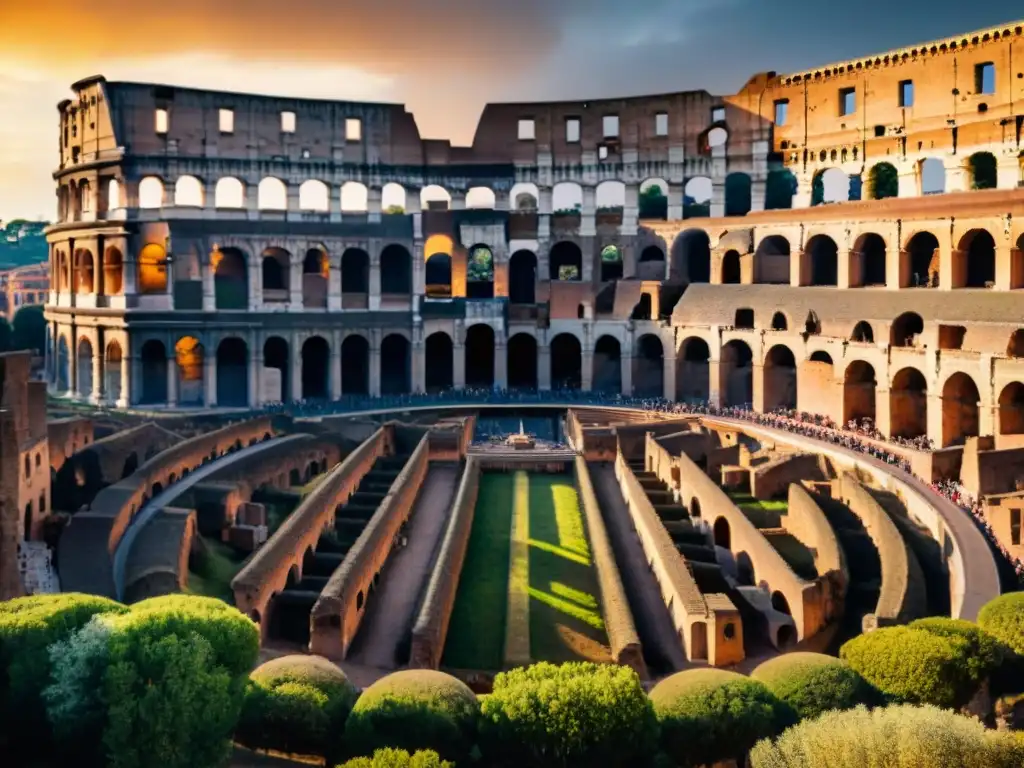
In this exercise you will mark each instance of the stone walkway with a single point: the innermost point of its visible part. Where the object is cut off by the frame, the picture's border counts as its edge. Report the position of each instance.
(654, 625)
(391, 609)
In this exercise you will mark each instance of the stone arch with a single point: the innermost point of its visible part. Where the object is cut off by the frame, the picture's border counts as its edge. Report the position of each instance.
(652, 263)
(355, 277)
(974, 260)
(63, 275)
(85, 271)
(230, 279)
(63, 365)
(731, 272)
(229, 193)
(272, 195)
(905, 330)
(649, 367)
(1015, 347)
(439, 355)
(610, 201)
(771, 261)
(567, 199)
(931, 176)
(522, 278)
(83, 365)
(480, 273)
(812, 325)
(721, 533)
(820, 262)
(396, 270)
(153, 361)
(479, 351)
(395, 365)
(697, 194)
(919, 262)
(151, 192)
(982, 169)
(565, 261)
(780, 322)
(883, 181)
(566, 362)
(355, 197)
(908, 404)
(188, 192)
(779, 188)
(275, 265)
(831, 185)
(113, 271)
(316, 368)
(355, 365)
(652, 200)
(867, 261)
(607, 373)
(190, 364)
(276, 356)
(859, 388)
(780, 379)
(737, 194)
(737, 372)
(113, 196)
(743, 318)
(434, 197)
(152, 269)
(232, 373)
(863, 333)
(1011, 409)
(522, 361)
(524, 196)
(393, 199)
(691, 256)
(113, 359)
(611, 263)
(960, 398)
(314, 196)
(438, 276)
(316, 268)
(641, 310)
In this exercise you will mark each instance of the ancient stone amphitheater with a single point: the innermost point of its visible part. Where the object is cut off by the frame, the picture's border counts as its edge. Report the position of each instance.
(299, 341)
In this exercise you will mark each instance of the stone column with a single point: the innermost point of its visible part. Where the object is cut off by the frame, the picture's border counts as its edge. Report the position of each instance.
(374, 297)
(255, 366)
(587, 374)
(172, 379)
(717, 198)
(412, 201)
(419, 370)
(334, 285)
(631, 210)
(543, 367)
(909, 179)
(758, 191)
(804, 190)
(669, 377)
(1008, 172)
(626, 373)
(501, 364)
(544, 210)
(375, 368)
(373, 204)
(935, 418)
(295, 283)
(459, 365)
(98, 384)
(758, 387)
(588, 215)
(714, 383)
(676, 193)
(295, 367)
(458, 201)
(209, 292)
(957, 177)
(210, 381)
(335, 372)
(126, 380)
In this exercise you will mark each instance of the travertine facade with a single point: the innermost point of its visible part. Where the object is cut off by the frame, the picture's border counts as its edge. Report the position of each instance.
(220, 249)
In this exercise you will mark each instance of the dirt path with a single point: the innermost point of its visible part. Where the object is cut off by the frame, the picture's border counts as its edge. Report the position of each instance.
(662, 649)
(389, 613)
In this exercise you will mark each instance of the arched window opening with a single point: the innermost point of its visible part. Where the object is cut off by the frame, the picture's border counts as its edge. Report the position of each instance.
(189, 357)
(974, 261)
(607, 376)
(152, 269)
(272, 195)
(693, 370)
(780, 379)
(883, 181)
(480, 273)
(642, 310)
(697, 198)
(522, 278)
(395, 271)
(908, 404)
(737, 194)
(479, 351)
(1011, 409)
(566, 262)
(652, 201)
(230, 279)
(737, 372)
(188, 191)
(771, 261)
(355, 278)
(233, 373)
(440, 358)
(395, 365)
(522, 361)
(821, 262)
(859, 392)
(906, 329)
(314, 196)
(438, 276)
(355, 365)
(867, 261)
(982, 168)
(229, 193)
(691, 256)
(648, 367)
(960, 408)
(863, 333)
(276, 381)
(276, 270)
(779, 322)
(611, 263)
(566, 362)
(919, 263)
(316, 378)
(744, 319)
(731, 273)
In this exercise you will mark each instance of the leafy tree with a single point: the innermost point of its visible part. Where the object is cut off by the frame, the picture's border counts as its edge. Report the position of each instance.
(813, 683)
(894, 737)
(1003, 618)
(399, 758)
(395, 209)
(480, 265)
(29, 331)
(983, 170)
(576, 714)
(652, 202)
(885, 181)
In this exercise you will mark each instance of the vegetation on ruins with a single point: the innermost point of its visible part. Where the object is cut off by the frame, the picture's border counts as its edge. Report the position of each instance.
(297, 705)
(1003, 618)
(576, 714)
(902, 736)
(399, 758)
(982, 654)
(415, 709)
(710, 715)
(813, 683)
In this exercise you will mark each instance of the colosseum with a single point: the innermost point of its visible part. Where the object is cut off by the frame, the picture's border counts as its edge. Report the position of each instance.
(723, 302)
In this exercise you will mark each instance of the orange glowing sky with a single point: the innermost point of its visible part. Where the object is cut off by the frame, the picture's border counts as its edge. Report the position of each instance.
(443, 58)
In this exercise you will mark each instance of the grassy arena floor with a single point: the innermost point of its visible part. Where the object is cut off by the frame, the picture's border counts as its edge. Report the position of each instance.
(565, 611)
(476, 634)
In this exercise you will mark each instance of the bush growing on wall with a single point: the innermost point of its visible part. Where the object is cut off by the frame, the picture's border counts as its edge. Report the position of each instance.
(28, 627)
(711, 715)
(981, 654)
(414, 709)
(897, 737)
(399, 758)
(570, 715)
(812, 683)
(298, 705)
(1003, 618)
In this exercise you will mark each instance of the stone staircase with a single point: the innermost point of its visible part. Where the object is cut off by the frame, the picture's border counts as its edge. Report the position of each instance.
(35, 564)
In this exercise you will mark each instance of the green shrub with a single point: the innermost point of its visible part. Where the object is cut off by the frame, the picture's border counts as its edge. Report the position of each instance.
(1003, 618)
(411, 710)
(570, 715)
(296, 704)
(709, 715)
(28, 627)
(981, 653)
(911, 666)
(812, 683)
(893, 737)
(399, 758)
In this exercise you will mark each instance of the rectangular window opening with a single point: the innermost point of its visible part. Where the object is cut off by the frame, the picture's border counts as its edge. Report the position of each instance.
(162, 121)
(610, 125)
(353, 129)
(572, 130)
(227, 121)
(527, 129)
(781, 111)
(847, 101)
(907, 93)
(661, 124)
(718, 114)
(287, 122)
(985, 78)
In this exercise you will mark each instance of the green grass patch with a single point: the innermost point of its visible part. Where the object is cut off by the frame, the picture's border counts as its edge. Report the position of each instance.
(565, 613)
(476, 634)
(213, 572)
(763, 514)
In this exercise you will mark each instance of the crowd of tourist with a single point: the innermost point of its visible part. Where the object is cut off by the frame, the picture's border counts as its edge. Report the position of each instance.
(860, 435)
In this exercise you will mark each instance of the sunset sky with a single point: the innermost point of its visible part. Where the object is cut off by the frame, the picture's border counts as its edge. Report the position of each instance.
(443, 58)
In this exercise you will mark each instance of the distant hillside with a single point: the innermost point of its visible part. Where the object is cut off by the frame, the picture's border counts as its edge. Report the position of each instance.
(29, 250)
